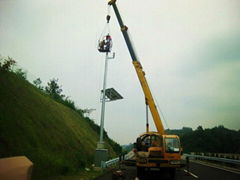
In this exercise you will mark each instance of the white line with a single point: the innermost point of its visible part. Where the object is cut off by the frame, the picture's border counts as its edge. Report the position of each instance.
(217, 167)
(193, 175)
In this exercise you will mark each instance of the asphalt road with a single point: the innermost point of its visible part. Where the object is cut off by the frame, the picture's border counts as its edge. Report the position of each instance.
(197, 171)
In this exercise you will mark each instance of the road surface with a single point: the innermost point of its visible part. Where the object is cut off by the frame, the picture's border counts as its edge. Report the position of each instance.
(197, 171)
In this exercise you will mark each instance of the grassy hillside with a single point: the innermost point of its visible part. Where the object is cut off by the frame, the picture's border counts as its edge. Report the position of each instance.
(54, 137)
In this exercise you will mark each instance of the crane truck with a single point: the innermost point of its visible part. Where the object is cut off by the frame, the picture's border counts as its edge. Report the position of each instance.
(152, 149)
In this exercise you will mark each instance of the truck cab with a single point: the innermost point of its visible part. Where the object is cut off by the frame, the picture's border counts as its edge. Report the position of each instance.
(155, 150)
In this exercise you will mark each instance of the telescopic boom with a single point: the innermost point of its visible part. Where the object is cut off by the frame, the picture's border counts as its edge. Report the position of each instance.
(140, 73)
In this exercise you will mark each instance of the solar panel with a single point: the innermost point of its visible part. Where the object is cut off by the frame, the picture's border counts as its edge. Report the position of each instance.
(111, 94)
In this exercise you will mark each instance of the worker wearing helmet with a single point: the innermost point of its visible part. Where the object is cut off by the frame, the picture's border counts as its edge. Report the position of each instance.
(105, 44)
(108, 43)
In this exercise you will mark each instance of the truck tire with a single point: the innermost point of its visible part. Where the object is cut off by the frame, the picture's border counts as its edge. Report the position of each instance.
(172, 173)
(140, 172)
(168, 173)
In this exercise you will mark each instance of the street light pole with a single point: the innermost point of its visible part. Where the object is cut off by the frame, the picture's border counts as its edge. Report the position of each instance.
(101, 152)
(101, 143)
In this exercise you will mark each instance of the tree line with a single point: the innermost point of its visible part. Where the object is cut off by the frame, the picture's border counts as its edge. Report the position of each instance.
(214, 140)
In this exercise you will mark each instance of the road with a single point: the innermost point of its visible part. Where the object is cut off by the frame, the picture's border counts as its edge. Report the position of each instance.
(197, 171)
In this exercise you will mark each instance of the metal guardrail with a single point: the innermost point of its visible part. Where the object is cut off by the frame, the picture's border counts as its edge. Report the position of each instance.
(113, 161)
(218, 155)
(225, 160)
(109, 163)
(127, 156)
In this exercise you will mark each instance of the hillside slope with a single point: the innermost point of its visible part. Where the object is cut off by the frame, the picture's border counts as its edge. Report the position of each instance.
(54, 137)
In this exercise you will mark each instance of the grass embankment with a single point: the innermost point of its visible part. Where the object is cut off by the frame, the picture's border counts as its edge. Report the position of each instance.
(54, 137)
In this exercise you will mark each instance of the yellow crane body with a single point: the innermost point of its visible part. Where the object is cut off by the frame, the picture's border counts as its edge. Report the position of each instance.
(152, 149)
(148, 97)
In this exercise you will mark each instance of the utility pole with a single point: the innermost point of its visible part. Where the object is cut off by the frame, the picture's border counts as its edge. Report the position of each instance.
(101, 152)
(105, 46)
(100, 144)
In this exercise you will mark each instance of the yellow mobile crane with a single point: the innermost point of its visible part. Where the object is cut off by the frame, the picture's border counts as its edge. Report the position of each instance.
(152, 149)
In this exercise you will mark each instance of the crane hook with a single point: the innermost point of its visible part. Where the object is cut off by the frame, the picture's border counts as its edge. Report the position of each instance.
(108, 18)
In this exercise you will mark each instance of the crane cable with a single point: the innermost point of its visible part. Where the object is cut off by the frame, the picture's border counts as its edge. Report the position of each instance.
(106, 29)
(162, 116)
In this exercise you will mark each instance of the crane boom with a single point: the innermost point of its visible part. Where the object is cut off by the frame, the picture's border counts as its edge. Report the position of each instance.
(152, 149)
(140, 73)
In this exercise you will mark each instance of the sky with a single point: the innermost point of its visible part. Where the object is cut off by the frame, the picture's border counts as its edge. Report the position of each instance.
(189, 50)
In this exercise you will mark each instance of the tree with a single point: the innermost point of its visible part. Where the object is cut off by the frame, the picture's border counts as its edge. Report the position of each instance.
(37, 82)
(7, 64)
(68, 102)
(199, 128)
(54, 90)
(21, 73)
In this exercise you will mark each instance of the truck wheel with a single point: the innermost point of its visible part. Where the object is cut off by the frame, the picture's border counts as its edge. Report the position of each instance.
(168, 173)
(172, 173)
(140, 172)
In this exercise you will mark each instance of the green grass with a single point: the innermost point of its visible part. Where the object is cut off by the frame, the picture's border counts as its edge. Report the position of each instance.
(54, 137)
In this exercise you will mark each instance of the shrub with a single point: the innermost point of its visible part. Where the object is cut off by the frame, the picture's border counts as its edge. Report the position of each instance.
(23, 74)
(7, 63)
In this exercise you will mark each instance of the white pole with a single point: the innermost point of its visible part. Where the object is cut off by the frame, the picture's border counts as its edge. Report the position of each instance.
(101, 143)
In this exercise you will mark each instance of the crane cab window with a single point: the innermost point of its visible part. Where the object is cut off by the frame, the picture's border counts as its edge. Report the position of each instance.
(150, 141)
(172, 145)
(156, 141)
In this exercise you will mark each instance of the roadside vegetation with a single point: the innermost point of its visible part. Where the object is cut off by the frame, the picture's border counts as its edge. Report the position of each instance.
(210, 140)
(214, 140)
(44, 125)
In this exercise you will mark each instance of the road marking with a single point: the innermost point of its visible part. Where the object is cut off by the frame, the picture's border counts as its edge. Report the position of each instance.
(193, 175)
(217, 167)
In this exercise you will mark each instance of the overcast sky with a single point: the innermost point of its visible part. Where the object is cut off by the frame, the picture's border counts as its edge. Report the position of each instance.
(190, 51)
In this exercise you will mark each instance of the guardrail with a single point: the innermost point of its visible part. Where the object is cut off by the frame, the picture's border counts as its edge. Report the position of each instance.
(218, 155)
(225, 160)
(201, 157)
(113, 161)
